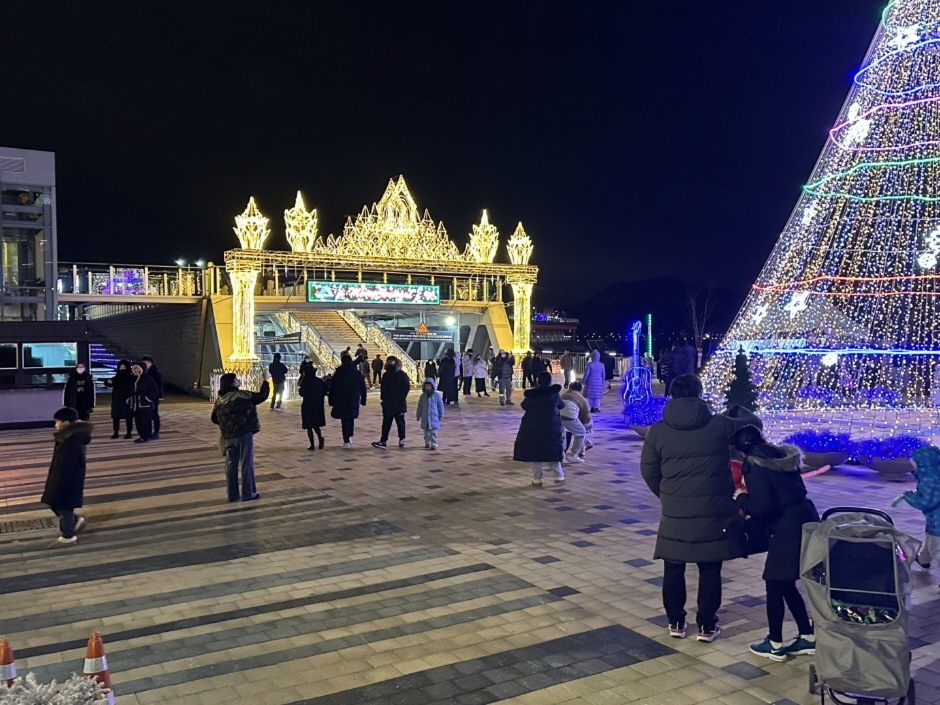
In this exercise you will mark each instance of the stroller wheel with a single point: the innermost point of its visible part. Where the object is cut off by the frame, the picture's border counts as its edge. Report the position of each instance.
(815, 688)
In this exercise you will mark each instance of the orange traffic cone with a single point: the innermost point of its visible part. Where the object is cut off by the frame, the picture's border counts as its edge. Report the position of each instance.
(96, 665)
(7, 665)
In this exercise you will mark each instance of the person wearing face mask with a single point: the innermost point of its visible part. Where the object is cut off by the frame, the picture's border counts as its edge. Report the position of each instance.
(395, 386)
(430, 412)
(143, 400)
(122, 389)
(80, 391)
(504, 371)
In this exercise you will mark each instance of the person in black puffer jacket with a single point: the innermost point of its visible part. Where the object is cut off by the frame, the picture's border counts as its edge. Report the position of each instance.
(144, 400)
(539, 439)
(80, 391)
(347, 394)
(236, 415)
(686, 462)
(395, 388)
(65, 483)
(776, 496)
(122, 392)
(157, 377)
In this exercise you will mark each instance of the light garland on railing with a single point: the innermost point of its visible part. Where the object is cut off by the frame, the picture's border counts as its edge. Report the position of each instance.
(847, 305)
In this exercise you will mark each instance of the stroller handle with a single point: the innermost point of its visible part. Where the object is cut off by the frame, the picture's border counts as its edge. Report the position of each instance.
(863, 510)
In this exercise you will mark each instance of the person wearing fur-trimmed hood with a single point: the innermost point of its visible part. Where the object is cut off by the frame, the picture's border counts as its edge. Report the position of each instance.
(777, 497)
(430, 412)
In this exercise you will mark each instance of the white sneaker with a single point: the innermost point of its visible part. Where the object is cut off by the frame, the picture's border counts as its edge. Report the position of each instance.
(350, 442)
(347, 445)
(574, 459)
(434, 446)
(63, 542)
(79, 524)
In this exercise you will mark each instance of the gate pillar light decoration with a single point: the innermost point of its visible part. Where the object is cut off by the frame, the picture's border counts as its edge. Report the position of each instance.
(392, 242)
(252, 230)
(520, 250)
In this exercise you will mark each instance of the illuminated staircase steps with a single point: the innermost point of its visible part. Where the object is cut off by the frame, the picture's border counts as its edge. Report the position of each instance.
(333, 328)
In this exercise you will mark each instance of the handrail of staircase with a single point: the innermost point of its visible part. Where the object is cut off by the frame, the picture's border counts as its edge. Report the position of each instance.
(315, 342)
(374, 334)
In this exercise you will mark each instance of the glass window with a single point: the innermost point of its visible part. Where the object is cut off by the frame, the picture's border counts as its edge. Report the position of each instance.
(8, 356)
(30, 217)
(50, 354)
(28, 197)
(21, 257)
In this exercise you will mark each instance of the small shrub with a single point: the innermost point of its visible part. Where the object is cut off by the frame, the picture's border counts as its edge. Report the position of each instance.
(889, 448)
(811, 441)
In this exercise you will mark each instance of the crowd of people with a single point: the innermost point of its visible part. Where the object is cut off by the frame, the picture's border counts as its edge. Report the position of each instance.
(136, 391)
(708, 514)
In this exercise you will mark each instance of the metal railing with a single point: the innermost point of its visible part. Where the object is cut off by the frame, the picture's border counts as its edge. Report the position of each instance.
(374, 334)
(251, 378)
(136, 280)
(316, 345)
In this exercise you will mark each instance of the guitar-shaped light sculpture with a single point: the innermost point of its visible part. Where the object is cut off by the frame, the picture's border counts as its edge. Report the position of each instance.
(638, 380)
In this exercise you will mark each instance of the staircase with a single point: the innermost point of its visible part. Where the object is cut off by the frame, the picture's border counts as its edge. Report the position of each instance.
(333, 329)
(104, 361)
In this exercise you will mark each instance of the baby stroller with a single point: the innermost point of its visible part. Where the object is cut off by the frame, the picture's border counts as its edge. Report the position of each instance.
(856, 569)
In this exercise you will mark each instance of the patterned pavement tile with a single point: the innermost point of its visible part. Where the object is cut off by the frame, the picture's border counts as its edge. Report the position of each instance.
(357, 578)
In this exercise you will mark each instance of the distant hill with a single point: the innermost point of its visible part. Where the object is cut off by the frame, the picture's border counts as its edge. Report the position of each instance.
(614, 308)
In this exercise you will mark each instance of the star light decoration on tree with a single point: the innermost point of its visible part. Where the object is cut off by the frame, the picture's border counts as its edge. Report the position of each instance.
(860, 285)
(905, 37)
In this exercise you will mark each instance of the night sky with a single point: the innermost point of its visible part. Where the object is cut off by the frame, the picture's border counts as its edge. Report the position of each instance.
(632, 139)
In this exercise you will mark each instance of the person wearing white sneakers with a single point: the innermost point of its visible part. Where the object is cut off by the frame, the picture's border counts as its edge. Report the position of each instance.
(575, 418)
(539, 438)
(65, 483)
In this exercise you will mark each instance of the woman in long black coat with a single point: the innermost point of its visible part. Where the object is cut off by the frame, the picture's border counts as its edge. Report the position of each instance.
(122, 389)
(777, 497)
(347, 393)
(539, 439)
(80, 391)
(448, 372)
(313, 391)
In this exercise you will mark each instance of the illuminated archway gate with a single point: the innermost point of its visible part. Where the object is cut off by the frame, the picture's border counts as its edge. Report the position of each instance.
(390, 240)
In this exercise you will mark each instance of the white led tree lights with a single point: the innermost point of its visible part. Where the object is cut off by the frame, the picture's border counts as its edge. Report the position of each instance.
(847, 307)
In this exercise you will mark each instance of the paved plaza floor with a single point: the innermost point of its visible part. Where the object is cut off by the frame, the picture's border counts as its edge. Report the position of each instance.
(398, 576)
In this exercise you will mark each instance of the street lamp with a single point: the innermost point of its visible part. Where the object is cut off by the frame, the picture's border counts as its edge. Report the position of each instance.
(450, 320)
(180, 263)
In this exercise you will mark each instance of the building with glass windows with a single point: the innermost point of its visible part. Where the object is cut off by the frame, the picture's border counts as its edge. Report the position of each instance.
(27, 235)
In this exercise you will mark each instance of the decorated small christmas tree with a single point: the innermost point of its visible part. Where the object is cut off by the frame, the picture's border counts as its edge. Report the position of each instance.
(741, 391)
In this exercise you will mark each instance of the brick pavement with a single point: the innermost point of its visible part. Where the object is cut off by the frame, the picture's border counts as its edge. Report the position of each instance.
(399, 576)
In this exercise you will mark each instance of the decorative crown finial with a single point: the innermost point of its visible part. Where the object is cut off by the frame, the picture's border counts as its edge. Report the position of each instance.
(484, 241)
(251, 227)
(301, 226)
(520, 246)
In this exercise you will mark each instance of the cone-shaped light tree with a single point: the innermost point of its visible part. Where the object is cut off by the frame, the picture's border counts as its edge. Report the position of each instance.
(847, 308)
